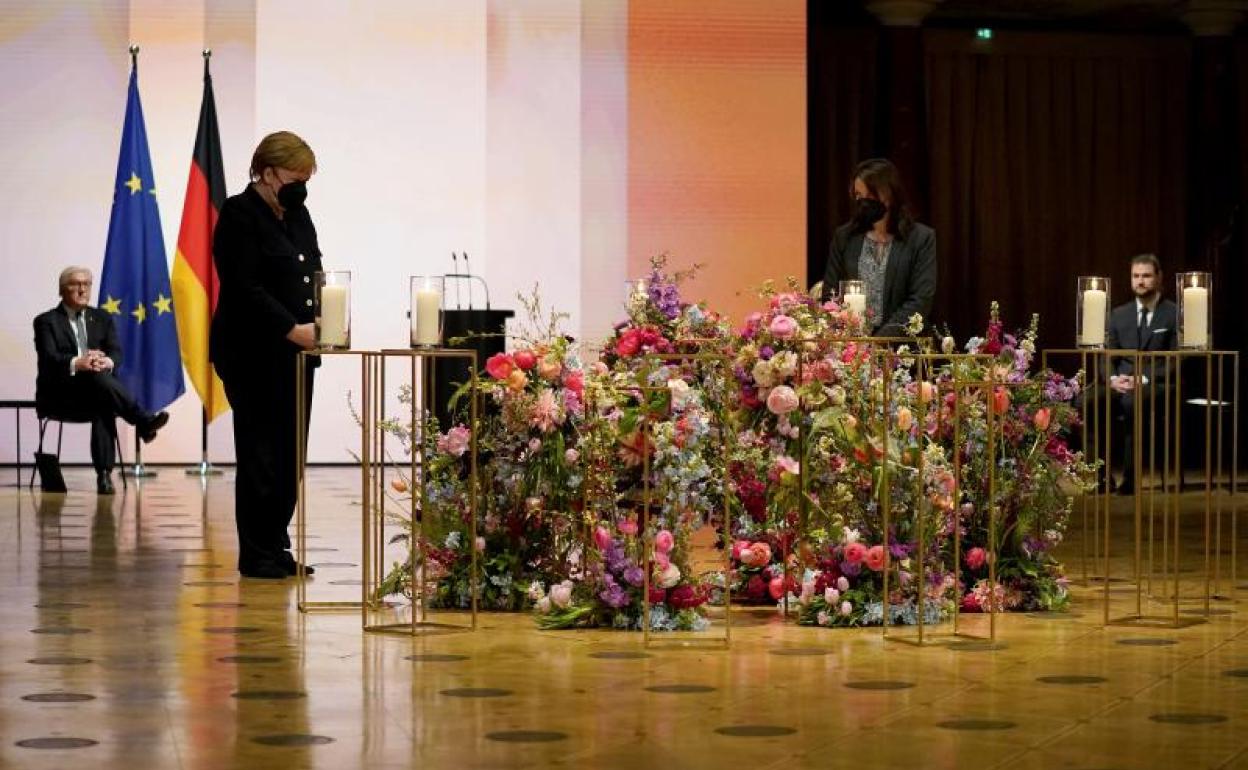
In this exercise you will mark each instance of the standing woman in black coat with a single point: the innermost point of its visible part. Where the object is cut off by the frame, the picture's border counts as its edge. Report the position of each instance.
(266, 254)
(885, 248)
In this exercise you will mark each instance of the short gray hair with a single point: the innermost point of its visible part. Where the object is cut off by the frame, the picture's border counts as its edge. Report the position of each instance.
(70, 272)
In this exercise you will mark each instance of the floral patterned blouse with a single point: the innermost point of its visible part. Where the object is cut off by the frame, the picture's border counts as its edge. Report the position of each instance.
(872, 266)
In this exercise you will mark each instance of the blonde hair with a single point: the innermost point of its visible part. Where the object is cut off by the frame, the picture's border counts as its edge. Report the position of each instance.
(70, 272)
(282, 149)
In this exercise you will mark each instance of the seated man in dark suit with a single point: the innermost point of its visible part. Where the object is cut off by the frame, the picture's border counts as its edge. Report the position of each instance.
(78, 351)
(1148, 322)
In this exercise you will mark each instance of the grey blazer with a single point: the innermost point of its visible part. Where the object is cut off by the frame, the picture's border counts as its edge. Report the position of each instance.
(909, 279)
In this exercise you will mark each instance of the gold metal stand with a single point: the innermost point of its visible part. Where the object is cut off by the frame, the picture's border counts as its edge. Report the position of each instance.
(422, 380)
(301, 440)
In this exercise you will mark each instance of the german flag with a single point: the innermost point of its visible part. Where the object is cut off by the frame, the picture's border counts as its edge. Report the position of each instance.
(195, 285)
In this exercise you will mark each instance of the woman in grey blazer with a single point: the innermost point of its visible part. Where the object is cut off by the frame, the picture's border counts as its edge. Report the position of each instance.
(885, 248)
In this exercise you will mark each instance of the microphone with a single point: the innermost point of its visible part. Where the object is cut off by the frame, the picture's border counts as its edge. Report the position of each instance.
(468, 271)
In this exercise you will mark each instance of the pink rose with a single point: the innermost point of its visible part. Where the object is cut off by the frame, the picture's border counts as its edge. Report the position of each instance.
(875, 558)
(661, 559)
(739, 547)
(756, 555)
(855, 553)
(525, 359)
(782, 400)
(664, 541)
(499, 366)
(976, 558)
(602, 538)
(783, 327)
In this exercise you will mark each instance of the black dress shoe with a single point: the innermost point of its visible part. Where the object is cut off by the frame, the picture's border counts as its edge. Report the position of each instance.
(264, 571)
(292, 567)
(104, 483)
(148, 426)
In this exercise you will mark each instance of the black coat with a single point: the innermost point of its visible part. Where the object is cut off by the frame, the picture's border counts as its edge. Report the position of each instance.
(266, 267)
(909, 279)
(56, 346)
(1123, 333)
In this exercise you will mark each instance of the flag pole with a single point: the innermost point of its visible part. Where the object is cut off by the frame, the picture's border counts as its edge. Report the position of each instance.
(204, 468)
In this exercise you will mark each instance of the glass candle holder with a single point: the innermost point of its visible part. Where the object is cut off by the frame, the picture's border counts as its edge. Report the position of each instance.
(427, 313)
(854, 297)
(1092, 303)
(1195, 295)
(333, 309)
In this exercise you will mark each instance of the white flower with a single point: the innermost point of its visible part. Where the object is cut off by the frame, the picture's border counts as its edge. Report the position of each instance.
(543, 605)
(784, 364)
(763, 374)
(851, 535)
(947, 345)
(842, 583)
(681, 395)
(561, 594)
(831, 596)
(1028, 345)
(822, 618)
(668, 576)
(915, 324)
(535, 591)
(846, 608)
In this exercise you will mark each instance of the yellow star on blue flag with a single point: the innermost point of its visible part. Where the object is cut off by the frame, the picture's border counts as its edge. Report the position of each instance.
(134, 183)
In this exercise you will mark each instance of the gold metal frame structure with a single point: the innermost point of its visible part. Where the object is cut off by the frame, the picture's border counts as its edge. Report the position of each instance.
(422, 379)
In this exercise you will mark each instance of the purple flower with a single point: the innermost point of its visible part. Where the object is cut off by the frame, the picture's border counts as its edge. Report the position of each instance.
(613, 594)
(634, 575)
(766, 352)
(850, 570)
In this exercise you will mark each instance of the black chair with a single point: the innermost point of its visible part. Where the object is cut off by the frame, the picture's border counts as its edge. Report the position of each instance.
(61, 419)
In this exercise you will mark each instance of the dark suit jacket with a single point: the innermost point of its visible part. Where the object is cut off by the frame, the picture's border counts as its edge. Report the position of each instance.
(909, 279)
(1123, 334)
(266, 267)
(56, 346)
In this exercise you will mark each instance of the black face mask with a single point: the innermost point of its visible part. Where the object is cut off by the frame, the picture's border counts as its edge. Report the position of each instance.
(292, 194)
(869, 212)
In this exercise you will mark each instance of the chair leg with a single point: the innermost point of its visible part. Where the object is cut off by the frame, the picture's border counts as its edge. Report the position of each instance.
(43, 426)
(121, 461)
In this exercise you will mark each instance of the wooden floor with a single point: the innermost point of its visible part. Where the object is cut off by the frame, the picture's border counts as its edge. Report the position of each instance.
(127, 640)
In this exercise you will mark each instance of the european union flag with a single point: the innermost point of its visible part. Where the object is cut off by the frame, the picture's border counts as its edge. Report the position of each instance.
(134, 286)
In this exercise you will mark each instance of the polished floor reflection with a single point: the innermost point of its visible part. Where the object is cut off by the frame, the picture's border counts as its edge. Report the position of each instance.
(127, 640)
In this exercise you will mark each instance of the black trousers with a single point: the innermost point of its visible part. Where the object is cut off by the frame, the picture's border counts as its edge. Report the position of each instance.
(1122, 412)
(265, 488)
(98, 398)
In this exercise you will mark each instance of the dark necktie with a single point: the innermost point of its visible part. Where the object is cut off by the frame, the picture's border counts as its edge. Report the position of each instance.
(80, 331)
(1142, 329)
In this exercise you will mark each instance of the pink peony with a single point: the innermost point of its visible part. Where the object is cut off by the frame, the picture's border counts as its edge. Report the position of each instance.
(875, 558)
(976, 558)
(668, 576)
(661, 559)
(629, 526)
(855, 553)
(455, 441)
(574, 381)
(628, 344)
(602, 538)
(546, 412)
(783, 327)
(499, 366)
(739, 547)
(782, 400)
(664, 541)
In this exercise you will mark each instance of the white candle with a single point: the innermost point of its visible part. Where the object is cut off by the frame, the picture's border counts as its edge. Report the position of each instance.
(1093, 329)
(425, 329)
(1195, 316)
(857, 303)
(335, 305)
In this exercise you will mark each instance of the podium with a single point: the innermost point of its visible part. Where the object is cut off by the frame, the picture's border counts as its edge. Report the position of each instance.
(448, 374)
